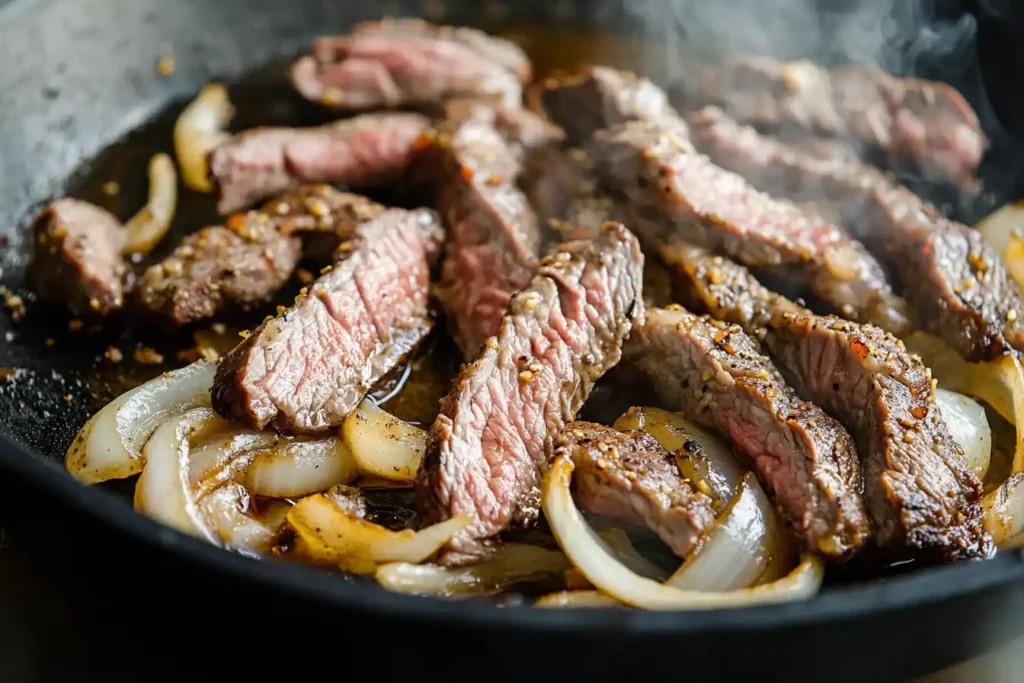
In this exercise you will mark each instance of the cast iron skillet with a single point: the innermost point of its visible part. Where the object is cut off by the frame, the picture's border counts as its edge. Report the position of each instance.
(75, 75)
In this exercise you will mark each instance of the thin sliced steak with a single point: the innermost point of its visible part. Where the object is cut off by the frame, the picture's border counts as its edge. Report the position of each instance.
(323, 217)
(631, 477)
(957, 284)
(307, 368)
(715, 375)
(919, 487)
(494, 236)
(520, 127)
(563, 189)
(408, 62)
(498, 426)
(364, 151)
(76, 258)
(671, 191)
(923, 126)
(601, 97)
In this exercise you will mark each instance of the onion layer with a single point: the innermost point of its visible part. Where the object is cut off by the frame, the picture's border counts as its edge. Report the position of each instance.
(588, 555)
(146, 228)
(1004, 512)
(968, 425)
(327, 534)
(583, 599)
(109, 445)
(511, 564)
(384, 446)
(199, 129)
(295, 468)
(1002, 230)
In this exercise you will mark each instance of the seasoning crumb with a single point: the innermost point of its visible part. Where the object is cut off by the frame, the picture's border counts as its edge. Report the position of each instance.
(219, 328)
(111, 188)
(67, 398)
(74, 325)
(50, 341)
(113, 354)
(148, 356)
(1011, 315)
(165, 66)
(7, 373)
(305, 277)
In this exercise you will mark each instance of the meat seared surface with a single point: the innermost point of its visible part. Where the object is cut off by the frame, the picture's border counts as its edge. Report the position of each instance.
(243, 263)
(631, 477)
(601, 97)
(306, 369)
(714, 374)
(521, 128)
(395, 63)
(498, 425)
(494, 236)
(919, 487)
(957, 284)
(76, 258)
(923, 126)
(671, 191)
(364, 151)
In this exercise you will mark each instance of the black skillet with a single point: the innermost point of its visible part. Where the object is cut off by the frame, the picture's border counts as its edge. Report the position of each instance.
(77, 75)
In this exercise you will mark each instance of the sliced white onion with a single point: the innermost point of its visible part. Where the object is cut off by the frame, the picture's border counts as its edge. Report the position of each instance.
(109, 445)
(146, 228)
(738, 549)
(511, 564)
(968, 425)
(228, 511)
(384, 446)
(712, 467)
(298, 468)
(587, 553)
(199, 129)
(1004, 512)
(582, 599)
(327, 534)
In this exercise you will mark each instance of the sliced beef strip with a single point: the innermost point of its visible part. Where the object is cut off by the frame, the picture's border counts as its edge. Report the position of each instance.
(499, 423)
(520, 127)
(714, 374)
(671, 191)
(494, 235)
(306, 369)
(245, 262)
(563, 189)
(602, 97)
(923, 126)
(364, 151)
(76, 258)
(630, 476)
(400, 63)
(919, 487)
(957, 284)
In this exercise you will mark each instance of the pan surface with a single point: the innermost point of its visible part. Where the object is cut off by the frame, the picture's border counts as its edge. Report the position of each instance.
(77, 76)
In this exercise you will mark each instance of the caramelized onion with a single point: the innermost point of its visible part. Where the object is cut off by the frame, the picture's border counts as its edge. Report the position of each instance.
(591, 599)
(1004, 512)
(1003, 226)
(199, 129)
(146, 228)
(510, 564)
(588, 554)
(327, 534)
(109, 445)
(384, 446)
(295, 468)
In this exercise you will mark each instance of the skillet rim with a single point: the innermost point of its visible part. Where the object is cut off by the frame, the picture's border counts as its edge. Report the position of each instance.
(919, 588)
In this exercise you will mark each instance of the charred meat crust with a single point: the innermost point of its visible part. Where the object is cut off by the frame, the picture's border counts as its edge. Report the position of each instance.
(630, 476)
(364, 151)
(499, 423)
(923, 126)
(394, 63)
(494, 237)
(76, 258)
(920, 490)
(306, 369)
(671, 191)
(715, 375)
(959, 287)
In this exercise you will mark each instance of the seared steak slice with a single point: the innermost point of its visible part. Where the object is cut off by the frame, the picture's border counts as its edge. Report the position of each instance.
(494, 237)
(520, 127)
(924, 126)
(958, 285)
(409, 62)
(919, 488)
(715, 374)
(76, 258)
(323, 217)
(630, 476)
(601, 97)
(307, 368)
(365, 151)
(563, 189)
(673, 192)
(498, 426)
